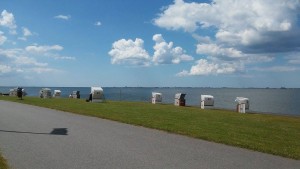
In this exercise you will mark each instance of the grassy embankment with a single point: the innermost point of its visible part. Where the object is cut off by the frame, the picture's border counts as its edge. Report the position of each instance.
(278, 135)
(3, 163)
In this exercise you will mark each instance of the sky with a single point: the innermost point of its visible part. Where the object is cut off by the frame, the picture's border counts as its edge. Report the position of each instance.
(142, 43)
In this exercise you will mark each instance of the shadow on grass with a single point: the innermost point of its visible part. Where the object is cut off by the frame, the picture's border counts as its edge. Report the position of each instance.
(55, 131)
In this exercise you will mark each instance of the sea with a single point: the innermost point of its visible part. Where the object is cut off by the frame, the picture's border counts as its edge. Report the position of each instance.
(283, 101)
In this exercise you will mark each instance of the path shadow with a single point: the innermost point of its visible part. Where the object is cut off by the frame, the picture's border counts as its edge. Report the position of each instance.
(55, 131)
(59, 131)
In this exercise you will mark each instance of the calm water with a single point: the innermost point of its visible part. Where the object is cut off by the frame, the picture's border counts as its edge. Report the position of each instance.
(278, 101)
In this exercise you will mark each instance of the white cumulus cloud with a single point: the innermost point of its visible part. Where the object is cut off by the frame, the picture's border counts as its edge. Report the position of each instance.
(31, 60)
(181, 15)
(129, 52)
(98, 23)
(8, 20)
(165, 53)
(43, 49)
(293, 58)
(59, 57)
(219, 52)
(203, 67)
(244, 32)
(2, 38)
(23, 60)
(63, 17)
(133, 52)
(10, 53)
(254, 23)
(40, 70)
(277, 69)
(294, 61)
(26, 32)
(5, 69)
(230, 15)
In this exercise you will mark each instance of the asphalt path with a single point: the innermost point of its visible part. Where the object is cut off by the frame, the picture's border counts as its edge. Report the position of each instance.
(38, 138)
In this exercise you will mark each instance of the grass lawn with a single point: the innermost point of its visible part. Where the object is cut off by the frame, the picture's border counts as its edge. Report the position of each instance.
(278, 135)
(3, 163)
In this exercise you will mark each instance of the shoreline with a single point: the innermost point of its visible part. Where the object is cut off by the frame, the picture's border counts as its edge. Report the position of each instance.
(266, 101)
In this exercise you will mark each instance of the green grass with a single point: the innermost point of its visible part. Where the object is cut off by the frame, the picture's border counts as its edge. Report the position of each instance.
(278, 135)
(3, 163)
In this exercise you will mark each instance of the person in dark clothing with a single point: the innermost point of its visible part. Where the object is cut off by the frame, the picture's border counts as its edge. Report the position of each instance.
(20, 92)
(90, 98)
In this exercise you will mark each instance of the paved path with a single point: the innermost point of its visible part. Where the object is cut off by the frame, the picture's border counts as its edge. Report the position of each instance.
(39, 138)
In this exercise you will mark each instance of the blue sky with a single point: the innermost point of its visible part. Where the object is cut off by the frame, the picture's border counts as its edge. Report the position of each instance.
(221, 43)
